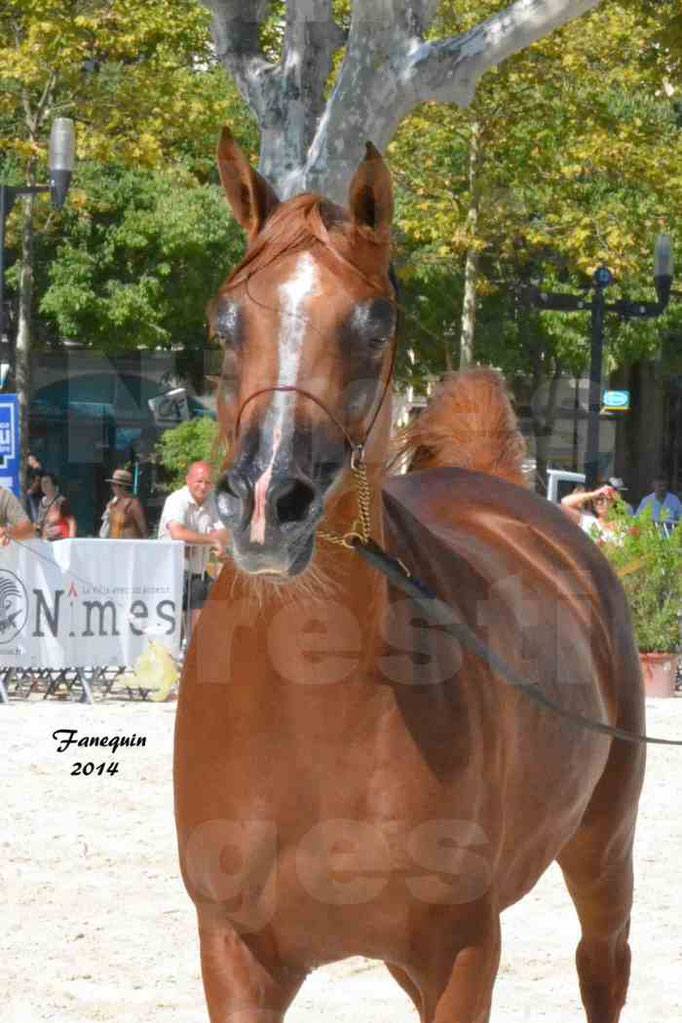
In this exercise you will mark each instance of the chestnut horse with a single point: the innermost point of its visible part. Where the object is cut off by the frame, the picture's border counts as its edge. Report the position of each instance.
(348, 779)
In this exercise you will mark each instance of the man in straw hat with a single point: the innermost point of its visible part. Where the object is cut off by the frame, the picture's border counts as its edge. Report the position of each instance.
(124, 516)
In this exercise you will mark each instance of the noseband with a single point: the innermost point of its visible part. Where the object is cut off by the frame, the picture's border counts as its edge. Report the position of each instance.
(356, 448)
(361, 529)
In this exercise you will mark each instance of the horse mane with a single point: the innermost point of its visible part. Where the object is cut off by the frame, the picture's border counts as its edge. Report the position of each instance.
(468, 423)
(306, 221)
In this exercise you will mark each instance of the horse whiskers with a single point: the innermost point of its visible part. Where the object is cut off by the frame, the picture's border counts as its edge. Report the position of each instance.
(316, 583)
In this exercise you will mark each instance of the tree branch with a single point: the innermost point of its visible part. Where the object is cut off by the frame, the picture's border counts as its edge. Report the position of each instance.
(311, 39)
(45, 101)
(447, 71)
(405, 23)
(383, 33)
(236, 33)
(389, 70)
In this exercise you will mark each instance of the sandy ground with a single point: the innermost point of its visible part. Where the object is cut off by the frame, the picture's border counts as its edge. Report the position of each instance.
(97, 926)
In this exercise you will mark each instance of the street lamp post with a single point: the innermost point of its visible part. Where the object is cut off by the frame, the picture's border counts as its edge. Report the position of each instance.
(62, 152)
(599, 307)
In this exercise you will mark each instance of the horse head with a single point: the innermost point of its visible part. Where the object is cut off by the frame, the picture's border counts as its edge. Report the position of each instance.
(307, 323)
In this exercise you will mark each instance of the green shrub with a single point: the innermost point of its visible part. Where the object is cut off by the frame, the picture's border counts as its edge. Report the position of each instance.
(649, 565)
(194, 441)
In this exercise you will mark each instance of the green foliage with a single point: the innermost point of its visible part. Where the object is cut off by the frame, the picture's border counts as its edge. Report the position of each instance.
(136, 252)
(139, 77)
(141, 255)
(580, 164)
(580, 156)
(194, 441)
(649, 564)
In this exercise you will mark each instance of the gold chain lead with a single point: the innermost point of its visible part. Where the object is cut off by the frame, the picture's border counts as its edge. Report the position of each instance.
(362, 527)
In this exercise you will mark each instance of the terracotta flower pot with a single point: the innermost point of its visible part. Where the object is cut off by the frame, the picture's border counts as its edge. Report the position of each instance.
(658, 671)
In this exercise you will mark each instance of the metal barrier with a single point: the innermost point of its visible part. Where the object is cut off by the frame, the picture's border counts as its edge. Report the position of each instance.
(78, 685)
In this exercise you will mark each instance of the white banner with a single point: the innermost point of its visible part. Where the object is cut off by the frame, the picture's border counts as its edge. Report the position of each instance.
(76, 603)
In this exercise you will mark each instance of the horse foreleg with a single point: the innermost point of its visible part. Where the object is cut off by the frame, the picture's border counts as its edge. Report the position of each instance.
(407, 984)
(460, 988)
(240, 985)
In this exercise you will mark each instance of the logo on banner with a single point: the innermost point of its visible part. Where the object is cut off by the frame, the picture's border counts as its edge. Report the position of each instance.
(7, 434)
(13, 606)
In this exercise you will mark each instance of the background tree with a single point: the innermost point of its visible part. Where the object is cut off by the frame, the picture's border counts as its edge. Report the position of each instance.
(567, 156)
(383, 64)
(195, 441)
(137, 258)
(133, 75)
(577, 151)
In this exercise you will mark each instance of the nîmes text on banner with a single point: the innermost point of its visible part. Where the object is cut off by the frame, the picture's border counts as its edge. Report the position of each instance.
(76, 603)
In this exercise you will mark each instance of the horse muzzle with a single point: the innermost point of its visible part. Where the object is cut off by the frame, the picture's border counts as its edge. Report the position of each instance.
(271, 517)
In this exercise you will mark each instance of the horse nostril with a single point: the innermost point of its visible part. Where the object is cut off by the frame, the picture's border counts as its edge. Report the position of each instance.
(234, 497)
(234, 484)
(292, 501)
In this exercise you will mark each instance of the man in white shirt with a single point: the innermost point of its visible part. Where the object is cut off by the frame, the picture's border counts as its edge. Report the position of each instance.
(14, 522)
(190, 514)
(665, 504)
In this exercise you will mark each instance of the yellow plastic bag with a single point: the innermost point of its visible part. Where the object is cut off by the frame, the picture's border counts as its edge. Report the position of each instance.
(154, 670)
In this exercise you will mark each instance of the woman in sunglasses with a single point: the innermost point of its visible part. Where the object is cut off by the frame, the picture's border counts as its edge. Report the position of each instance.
(591, 510)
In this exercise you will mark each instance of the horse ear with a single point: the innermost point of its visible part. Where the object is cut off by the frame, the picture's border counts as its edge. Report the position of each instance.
(370, 198)
(251, 197)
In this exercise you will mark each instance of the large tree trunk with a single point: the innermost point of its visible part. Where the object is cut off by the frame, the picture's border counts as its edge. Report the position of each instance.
(313, 143)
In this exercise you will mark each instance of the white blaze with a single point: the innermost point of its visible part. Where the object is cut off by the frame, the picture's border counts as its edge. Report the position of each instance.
(260, 492)
(293, 295)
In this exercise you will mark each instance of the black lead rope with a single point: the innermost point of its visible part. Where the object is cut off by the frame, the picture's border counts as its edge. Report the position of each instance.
(440, 613)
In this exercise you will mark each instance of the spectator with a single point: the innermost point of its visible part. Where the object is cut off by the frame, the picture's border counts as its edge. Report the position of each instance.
(55, 521)
(34, 495)
(591, 510)
(123, 516)
(14, 522)
(190, 514)
(666, 505)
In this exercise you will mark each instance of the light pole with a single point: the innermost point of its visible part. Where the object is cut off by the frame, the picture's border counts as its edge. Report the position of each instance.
(599, 307)
(62, 154)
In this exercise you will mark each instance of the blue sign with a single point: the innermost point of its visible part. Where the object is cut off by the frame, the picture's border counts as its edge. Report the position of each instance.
(10, 451)
(617, 401)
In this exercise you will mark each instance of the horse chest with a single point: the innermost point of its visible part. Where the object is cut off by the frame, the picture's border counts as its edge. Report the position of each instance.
(304, 828)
